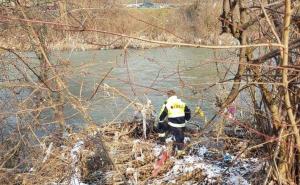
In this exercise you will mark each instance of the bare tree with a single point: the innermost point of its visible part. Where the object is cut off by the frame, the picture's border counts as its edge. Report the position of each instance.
(274, 26)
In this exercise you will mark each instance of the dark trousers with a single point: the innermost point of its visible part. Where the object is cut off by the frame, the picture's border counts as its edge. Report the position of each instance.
(177, 132)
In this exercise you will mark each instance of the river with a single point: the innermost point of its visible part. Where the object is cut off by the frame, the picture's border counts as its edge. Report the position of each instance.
(150, 72)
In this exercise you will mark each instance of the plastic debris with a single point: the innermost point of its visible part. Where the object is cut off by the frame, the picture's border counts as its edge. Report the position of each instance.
(227, 158)
(199, 112)
(159, 163)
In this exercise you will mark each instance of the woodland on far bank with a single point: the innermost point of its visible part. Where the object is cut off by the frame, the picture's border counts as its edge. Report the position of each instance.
(81, 24)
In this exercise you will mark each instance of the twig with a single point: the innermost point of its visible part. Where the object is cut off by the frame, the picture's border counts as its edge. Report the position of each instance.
(48, 152)
(268, 175)
(275, 155)
(80, 29)
(269, 22)
(95, 92)
(28, 66)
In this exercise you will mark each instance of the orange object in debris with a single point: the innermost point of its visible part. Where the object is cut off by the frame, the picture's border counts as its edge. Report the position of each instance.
(159, 163)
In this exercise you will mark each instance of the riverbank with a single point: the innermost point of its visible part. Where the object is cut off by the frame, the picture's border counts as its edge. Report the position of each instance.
(80, 44)
(193, 23)
(111, 43)
(127, 158)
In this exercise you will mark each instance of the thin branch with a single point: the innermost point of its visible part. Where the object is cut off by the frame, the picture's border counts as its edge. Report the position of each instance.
(80, 29)
(269, 22)
(95, 92)
(29, 67)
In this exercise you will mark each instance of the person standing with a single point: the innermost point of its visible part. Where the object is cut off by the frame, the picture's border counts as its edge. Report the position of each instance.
(177, 113)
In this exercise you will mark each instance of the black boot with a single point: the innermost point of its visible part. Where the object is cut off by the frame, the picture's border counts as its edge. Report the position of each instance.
(180, 152)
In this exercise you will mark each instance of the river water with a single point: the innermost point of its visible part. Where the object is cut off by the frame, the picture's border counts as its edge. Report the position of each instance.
(140, 75)
(150, 73)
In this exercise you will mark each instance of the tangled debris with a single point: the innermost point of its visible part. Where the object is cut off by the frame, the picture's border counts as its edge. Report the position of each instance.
(134, 159)
(128, 158)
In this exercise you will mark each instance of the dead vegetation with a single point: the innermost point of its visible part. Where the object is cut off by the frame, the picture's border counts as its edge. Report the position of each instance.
(38, 146)
(130, 158)
(185, 24)
(135, 158)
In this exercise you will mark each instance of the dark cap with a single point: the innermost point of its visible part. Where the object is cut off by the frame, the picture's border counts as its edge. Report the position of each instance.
(171, 93)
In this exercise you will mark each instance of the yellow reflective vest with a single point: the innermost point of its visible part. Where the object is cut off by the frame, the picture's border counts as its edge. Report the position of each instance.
(175, 107)
(176, 110)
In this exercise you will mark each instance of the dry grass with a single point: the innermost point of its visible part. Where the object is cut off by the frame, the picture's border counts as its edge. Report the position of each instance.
(190, 23)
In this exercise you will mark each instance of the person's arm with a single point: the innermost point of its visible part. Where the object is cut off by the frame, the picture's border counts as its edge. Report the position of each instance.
(187, 112)
(161, 127)
(163, 113)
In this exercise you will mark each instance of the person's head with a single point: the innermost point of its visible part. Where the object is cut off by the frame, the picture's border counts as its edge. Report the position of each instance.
(171, 93)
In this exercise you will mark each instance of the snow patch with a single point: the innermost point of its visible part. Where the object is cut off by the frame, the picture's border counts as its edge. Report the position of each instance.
(158, 149)
(75, 179)
(170, 139)
(237, 180)
(201, 151)
(211, 169)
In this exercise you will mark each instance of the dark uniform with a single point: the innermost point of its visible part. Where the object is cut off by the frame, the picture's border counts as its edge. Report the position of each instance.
(178, 113)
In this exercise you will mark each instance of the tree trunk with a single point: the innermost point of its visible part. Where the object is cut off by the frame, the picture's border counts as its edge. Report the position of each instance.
(242, 59)
(285, 81)
(286, 162)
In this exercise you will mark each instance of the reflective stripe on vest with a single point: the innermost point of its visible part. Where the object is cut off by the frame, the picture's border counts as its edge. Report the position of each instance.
(175, 107)
(176, 125)
(162, 135)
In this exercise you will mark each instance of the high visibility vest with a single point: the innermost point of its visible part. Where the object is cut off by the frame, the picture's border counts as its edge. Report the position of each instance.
(175, 107)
